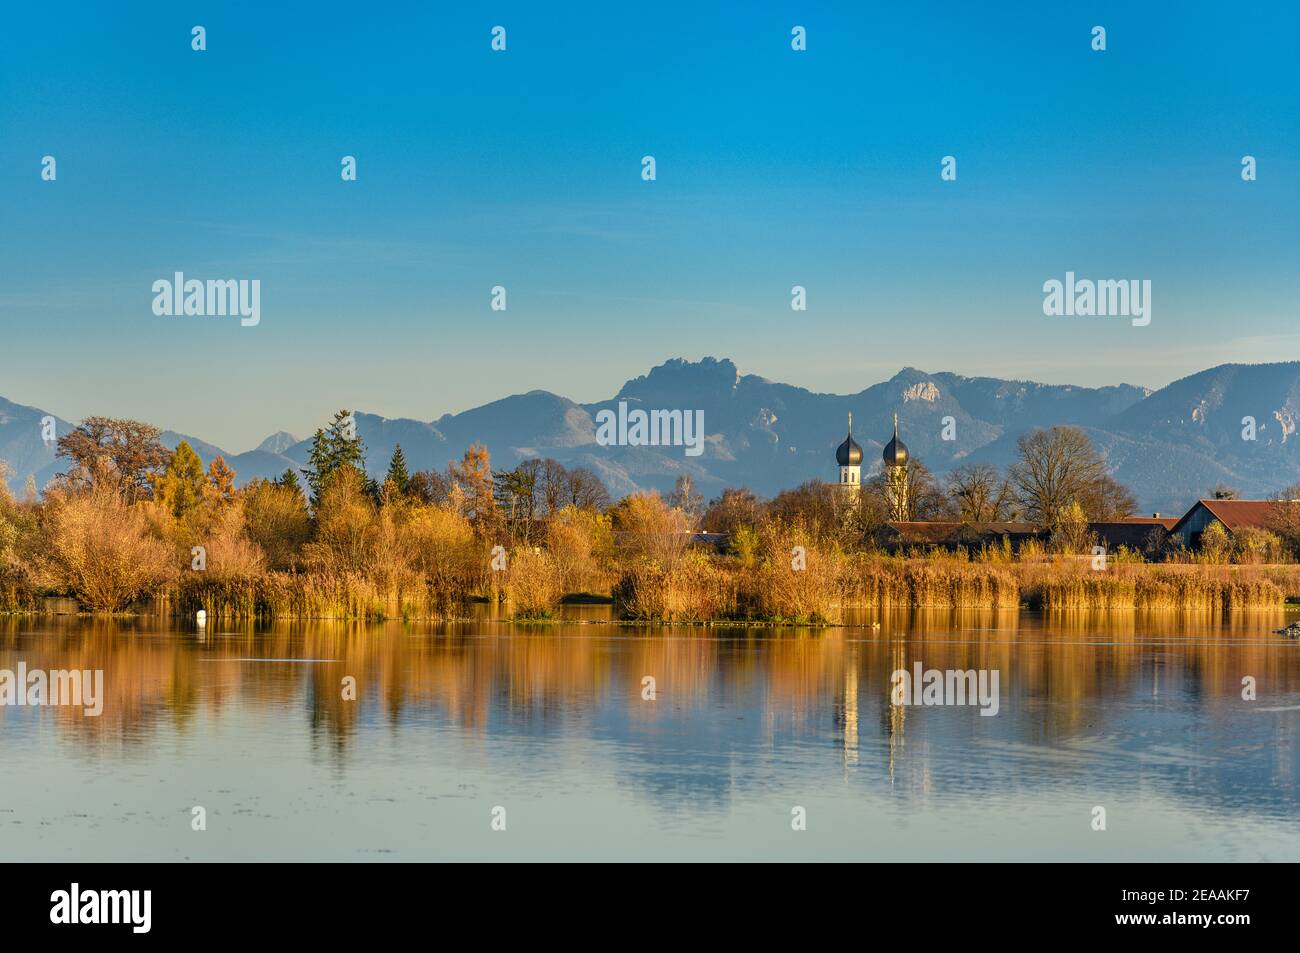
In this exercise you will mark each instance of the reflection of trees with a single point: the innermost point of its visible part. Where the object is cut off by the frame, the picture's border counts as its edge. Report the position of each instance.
(729, 699)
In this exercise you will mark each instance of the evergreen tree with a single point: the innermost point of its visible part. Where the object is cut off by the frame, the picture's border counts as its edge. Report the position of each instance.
(397, 472)
(290, 479)
(332, 449)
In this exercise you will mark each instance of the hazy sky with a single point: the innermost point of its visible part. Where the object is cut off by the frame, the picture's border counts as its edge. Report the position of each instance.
(522, 169)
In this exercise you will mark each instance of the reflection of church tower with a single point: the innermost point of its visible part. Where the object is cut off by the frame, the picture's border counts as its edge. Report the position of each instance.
(851, 708)
(895, 457)
(897, 713)
(849, 456)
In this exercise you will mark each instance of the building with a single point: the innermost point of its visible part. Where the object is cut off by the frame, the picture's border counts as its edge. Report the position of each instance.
(1233, 515)
(952, 534)
(849, 456)
(895, 458)
(896, 482)
(1136, 533)
(1131, 532)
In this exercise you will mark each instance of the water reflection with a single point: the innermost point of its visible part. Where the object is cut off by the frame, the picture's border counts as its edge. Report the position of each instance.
(1143, 713)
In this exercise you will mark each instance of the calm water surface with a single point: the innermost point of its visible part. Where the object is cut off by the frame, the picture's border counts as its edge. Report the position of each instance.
(1143, 716)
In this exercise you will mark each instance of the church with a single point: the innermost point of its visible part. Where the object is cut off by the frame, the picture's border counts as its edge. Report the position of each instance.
(1132, 532)
(895, 459)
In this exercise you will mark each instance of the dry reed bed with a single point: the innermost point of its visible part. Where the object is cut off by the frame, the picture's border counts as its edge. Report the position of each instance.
(280, 595)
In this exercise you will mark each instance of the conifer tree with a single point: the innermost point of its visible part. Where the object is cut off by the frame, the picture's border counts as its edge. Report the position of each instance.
(338, 446)
(290, 479)
(397, 472)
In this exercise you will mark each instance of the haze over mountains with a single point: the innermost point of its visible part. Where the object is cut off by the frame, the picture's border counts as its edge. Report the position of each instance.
(1170, 446)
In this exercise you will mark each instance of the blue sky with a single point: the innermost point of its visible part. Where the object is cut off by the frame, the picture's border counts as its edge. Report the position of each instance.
(522, 169)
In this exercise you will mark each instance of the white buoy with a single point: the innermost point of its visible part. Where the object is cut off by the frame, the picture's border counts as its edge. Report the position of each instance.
(201, 618)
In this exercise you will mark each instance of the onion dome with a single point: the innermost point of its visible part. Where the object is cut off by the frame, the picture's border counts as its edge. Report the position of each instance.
(849, 454)
(895, 454)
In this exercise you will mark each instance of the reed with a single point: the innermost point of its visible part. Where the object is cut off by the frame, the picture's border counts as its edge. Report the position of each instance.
(795, 581)
(692, 588)
(1151, 588)
(315, 595)
(889, 582)
(535, 585)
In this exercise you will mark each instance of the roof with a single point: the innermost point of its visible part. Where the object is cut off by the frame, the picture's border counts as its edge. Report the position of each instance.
(849, 453)
(1237, 514)
(1168, 522)
(918, 531)
(1131, 531)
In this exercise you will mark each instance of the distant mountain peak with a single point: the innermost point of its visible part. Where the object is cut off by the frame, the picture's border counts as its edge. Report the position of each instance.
(278, 442)
(710, 375)
(1170, 445)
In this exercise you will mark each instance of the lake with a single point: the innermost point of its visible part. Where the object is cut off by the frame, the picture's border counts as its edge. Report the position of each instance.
(552, 732)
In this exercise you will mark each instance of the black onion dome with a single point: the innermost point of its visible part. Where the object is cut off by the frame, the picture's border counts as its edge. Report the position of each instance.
(895, 454)
(849, 454)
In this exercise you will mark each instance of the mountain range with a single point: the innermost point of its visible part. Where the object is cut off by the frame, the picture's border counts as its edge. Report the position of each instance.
(1170, 446)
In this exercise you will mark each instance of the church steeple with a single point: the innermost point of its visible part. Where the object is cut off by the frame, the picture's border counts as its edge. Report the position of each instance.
(896, 458)
(895, 454)
(849, 456)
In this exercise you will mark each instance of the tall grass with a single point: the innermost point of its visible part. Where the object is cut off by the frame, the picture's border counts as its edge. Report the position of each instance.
(313, 595)
(1154, 589)
(888, 582)
(693, 588)
(535, 584)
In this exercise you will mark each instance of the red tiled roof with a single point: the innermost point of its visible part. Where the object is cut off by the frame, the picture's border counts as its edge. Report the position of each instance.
(1239, 514)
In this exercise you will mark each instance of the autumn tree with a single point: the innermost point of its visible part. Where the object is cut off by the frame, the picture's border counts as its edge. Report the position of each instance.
(736, 507)
(816, 504)
(585, 490)
(519, 498)
(925, 498)
(221, 481)
(553, 486)
(686, 498)
(977, 493)
(125, 453)
(346, 528)
(1107, 499)
(1070, 535)
(276, 519)
(647, 528)
(99, 545)
(1284, 517)
(1060, 466)
(182, 486)
(428, 486)
(472, 476)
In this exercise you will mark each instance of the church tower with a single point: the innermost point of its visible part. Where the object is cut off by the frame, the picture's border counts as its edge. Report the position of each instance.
(896, 489)
(849, 456)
